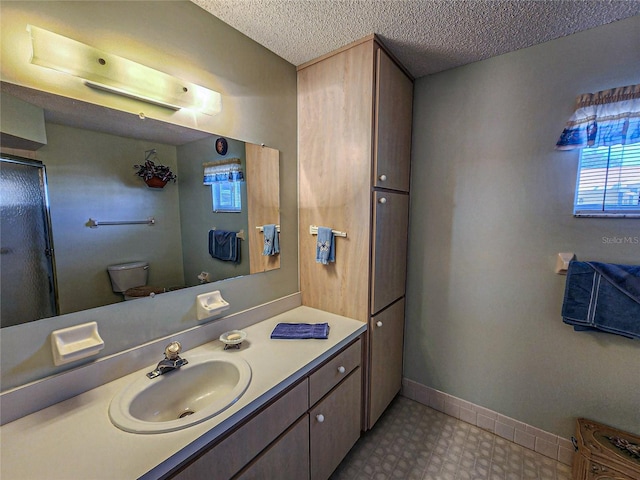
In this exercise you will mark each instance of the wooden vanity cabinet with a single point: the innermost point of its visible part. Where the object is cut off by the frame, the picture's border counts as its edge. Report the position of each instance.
(227, 457)
(334, 426)
(354, 152)
(385, 367)
(303, 434)
(393, 118)
(288, 457)
(335, 396)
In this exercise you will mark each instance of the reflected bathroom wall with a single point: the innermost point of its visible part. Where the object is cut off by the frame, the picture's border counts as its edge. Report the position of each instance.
(91, 175)
(197, 216)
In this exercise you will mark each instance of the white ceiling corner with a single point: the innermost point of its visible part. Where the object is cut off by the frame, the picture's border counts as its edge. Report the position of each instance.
(427, 36)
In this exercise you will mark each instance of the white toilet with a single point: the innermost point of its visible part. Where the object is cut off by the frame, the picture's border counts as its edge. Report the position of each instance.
(130, 279)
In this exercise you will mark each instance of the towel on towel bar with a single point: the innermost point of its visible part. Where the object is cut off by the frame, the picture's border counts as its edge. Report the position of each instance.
(326, 246)
(603, 297)
(290, 331)
(224, 246)
(271, 242)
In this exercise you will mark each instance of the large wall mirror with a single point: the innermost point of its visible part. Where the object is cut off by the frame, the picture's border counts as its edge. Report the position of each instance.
(89, 159)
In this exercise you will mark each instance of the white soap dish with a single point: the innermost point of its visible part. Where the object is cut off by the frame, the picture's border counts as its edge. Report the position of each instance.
(233, 338)
(210, 304)
(74, 343)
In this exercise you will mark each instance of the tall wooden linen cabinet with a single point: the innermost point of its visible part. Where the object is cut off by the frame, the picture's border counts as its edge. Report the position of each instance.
(354, 134)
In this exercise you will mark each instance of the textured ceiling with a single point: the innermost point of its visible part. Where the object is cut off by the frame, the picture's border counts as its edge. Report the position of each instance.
(427, 36)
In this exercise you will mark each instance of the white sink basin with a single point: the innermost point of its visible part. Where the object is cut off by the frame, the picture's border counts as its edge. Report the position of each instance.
(195, 392)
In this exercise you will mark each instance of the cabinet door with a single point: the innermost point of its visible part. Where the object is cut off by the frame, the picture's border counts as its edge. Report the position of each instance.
(226, 458)
(335, 426)
(394, 102)
(288, 457)
(389, 273)
(386, 335)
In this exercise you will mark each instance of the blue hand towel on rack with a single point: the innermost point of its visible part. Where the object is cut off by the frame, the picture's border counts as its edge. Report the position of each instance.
(271, 243)
(291, 331)
(603, 297)
(224, 245)
(326, 246)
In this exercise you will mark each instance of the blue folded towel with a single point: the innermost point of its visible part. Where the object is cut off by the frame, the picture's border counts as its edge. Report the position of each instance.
(224, 246)
(290, 331)
(271, 243)
(326, 246)
(603, 297)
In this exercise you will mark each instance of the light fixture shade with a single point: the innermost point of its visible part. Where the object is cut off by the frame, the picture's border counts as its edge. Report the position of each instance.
(119, 75)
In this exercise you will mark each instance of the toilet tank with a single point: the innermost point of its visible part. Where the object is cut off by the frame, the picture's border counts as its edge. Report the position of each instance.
(128, 275)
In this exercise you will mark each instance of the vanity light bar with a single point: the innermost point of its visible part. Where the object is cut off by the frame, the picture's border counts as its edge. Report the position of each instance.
(124, 93)
(115, 74)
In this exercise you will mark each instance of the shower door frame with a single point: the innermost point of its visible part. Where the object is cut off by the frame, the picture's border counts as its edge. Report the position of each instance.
(49, 252)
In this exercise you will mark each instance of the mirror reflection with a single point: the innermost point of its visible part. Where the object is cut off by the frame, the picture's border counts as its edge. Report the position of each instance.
(106, 235)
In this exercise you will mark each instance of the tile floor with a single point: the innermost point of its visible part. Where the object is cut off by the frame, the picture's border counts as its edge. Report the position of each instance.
(414, 442)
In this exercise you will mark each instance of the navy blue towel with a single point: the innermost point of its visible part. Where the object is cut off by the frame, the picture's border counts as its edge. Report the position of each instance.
(289, 331)
(224, 246)
(603, 297)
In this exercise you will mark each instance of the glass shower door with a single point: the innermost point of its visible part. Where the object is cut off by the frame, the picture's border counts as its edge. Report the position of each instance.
(27, 284)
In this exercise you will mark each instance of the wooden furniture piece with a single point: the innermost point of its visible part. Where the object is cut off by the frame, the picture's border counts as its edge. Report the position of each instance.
(354, 134)
(303, 434)
(263, 202)
(605, 453)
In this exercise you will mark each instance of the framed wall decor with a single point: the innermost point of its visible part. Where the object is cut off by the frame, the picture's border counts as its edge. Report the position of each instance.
(221, 146)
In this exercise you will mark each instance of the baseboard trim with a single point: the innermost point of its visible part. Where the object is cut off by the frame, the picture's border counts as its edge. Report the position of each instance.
(527, 436)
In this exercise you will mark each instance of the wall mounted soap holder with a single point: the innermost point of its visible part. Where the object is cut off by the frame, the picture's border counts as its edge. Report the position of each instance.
(210, 304)
(74, 343)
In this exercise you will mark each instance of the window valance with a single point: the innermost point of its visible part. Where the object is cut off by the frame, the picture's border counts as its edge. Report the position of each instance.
(606, 118)
(227, 170)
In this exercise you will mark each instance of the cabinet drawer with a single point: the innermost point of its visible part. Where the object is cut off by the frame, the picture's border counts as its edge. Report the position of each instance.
(227, 457)
(288, 457)
(334, 371)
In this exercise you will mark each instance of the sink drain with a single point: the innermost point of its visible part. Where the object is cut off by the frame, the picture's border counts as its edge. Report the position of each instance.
(186, 413)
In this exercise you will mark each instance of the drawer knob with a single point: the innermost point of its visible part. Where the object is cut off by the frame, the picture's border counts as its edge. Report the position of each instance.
(341, 369)
(379, 323)
(382, 200)
(320, 418)
(382, 177)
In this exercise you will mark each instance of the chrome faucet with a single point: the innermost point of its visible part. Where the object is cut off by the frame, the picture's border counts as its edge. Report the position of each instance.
(171, 361)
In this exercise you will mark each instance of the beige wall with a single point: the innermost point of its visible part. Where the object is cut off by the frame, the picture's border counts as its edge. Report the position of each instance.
(259, 105)
(491, 207)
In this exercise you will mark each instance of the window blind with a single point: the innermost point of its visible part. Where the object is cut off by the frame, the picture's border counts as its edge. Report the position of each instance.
(608, 181)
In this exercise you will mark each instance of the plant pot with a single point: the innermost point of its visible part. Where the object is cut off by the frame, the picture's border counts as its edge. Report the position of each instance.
(156, 182)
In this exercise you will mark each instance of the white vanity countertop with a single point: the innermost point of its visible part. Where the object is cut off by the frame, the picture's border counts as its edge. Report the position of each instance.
(75, 439)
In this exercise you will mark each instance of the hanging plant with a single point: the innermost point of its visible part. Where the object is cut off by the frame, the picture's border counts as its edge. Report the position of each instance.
(156, 176)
